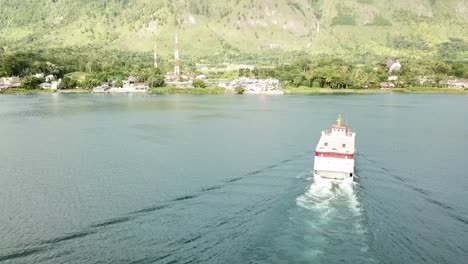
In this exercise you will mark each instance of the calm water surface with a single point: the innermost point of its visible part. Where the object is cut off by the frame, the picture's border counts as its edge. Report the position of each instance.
(226, 179)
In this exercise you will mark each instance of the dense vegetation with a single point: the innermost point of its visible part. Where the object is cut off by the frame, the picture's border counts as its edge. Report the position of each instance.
(85, 67)
(223, 29)
(338, 74)
(88, 67)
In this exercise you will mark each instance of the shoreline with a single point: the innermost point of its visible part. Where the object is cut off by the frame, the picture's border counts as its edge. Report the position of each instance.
(200, 91)
(409, 90)
(287, 91)
(43, 91)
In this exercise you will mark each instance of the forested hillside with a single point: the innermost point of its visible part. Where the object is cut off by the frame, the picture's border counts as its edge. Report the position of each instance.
(347, 28)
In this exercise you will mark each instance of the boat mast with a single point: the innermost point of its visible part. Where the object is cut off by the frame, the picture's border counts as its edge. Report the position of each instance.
(339, 121)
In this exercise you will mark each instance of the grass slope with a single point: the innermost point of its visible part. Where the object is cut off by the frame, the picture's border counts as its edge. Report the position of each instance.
(207, 27)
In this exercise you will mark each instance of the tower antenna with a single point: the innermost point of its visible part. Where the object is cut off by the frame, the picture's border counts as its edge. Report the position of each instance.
(155, 56)
(176, 58)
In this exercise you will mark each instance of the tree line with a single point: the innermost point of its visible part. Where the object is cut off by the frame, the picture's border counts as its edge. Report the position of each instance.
(337, 73)
(89, 66)
(81, 67)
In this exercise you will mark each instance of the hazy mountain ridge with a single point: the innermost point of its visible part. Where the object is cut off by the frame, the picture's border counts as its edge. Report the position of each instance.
(395, 27)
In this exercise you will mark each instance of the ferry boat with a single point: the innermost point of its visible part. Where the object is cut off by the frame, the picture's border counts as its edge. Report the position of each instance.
(334, 154)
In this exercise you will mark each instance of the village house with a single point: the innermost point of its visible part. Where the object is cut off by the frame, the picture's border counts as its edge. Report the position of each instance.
(256, 86)
(129, 86)
(54, 85)
(181, 81)
(387, 85)
(45, 86)
(223, 84)
(50, 78)
(457, 84)
(9, 82)
(393, 66)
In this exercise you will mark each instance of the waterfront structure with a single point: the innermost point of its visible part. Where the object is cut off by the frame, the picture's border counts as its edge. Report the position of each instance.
(457, 84)
(9, 82)
(101, 89)
(256, 86)
(129, 86)
(334, 154)
(45, 85)
(54, 85)
(386, 85)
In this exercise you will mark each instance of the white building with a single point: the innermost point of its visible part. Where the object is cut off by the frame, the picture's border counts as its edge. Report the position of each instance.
(45, 86)
(54, 85)
(49, 78)
(393, 66)
(457, 84)
(9, 82)
(257, 86)
(50, 86)
(129, 86)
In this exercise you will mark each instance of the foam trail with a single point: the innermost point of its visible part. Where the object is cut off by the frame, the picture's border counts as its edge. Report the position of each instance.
(347, 191)
(331, 212)
(317, 194)
(317, 200)
(325, 196)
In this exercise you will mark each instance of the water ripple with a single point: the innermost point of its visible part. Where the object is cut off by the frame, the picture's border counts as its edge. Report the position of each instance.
(95, 228)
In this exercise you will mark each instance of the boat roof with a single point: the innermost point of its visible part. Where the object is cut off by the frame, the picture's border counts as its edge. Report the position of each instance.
(339, 139)
(330, 143)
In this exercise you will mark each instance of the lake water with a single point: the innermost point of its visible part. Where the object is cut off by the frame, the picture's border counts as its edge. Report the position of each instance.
(226, 179)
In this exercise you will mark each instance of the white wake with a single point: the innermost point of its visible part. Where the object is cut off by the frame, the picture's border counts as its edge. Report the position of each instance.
(323, 195)
(331, 213)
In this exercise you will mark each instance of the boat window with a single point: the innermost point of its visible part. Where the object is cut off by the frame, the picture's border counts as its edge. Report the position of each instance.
(344, 145)
(326, 144)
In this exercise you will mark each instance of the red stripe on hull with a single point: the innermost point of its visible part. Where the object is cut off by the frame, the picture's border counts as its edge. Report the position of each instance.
(334, 155)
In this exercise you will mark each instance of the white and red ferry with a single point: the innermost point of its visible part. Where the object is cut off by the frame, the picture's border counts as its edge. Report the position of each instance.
(334, 154)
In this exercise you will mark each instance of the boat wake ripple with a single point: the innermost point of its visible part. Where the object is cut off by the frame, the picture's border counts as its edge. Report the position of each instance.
(44, 245)
(333, 220)
(425, 194)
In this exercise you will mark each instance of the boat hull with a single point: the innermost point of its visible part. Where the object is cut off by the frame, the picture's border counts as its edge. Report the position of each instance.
(334, 154)
(319, 179)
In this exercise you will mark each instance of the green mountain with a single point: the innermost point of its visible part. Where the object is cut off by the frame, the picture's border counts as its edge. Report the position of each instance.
(415, 28)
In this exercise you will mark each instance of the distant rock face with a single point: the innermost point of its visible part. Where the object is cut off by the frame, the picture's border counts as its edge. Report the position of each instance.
(190, 19)
(325, 26)
(462, 8)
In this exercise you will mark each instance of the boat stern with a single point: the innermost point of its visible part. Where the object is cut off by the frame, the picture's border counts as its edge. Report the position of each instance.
(333, 177)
